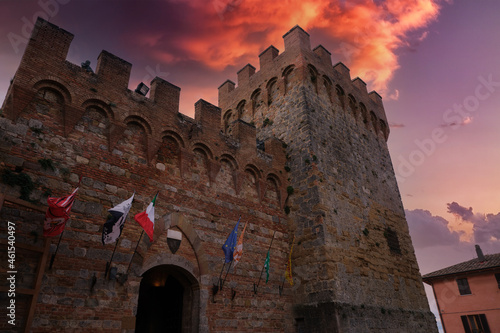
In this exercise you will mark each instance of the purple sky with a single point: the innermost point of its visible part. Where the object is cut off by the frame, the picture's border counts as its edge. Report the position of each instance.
(435, 62)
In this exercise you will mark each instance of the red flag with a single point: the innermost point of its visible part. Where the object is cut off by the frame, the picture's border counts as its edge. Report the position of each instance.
(147, 219)
(57, 214)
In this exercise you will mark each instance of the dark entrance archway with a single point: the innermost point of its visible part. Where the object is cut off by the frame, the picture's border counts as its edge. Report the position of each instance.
(168, 301)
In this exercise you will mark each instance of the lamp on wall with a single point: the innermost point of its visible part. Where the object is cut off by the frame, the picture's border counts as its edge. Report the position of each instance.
(142, 89)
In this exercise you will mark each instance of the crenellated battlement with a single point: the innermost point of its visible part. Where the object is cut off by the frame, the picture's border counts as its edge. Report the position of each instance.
(78, 92)
(298, 62)
(113, 70)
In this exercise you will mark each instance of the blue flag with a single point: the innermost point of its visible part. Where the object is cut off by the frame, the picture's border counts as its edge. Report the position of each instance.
(230, 243)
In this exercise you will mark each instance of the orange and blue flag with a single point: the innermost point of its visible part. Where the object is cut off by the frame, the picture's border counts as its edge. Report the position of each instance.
(239, 247)
(230, 243)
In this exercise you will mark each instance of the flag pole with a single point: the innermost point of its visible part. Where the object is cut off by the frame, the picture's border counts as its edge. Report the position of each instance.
(280, 288)
(55, 252)
(219, 283)
(108, 263)
(226, 274)
(138, 242)
(218, 286)
(231, 253)
(260, 276)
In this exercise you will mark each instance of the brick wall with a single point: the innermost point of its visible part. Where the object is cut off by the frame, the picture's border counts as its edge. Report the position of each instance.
(61, 122)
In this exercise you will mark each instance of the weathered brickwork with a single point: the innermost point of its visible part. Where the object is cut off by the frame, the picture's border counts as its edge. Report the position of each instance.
(320, 171)
(345, 202)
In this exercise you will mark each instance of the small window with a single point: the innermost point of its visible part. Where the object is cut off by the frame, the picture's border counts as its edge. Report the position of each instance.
(463, 286)
(497, 276)
(475, 324)
(392, 240)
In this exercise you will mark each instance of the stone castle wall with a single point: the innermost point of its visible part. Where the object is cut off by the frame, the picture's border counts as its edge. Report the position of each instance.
(355, 258)
(296, 149)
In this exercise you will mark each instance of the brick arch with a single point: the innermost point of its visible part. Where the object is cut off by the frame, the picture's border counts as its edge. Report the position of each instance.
(353, 105)
(384, 129)
(198, 164)
(248, 188)
(194, 273)
(133, 140)
(253, 169)
(313, 76)
(288, 70)
(94, 124)
(139, 120)
(169, 221)
(173, 134)
(204, 147)
(169, 151)
(240, 109)
(364, 114)
(55, 100)
(190, 307)
(187, 229)
(274, 176)
(177, 220)
(256, 99)
(230, 158)
(327, 83)
(226, 175)
(100, 104)
(287, 73)
(273, 184)
(57, 85)
(272, 89)
(374, 121)
(340, 95)
(226, 121)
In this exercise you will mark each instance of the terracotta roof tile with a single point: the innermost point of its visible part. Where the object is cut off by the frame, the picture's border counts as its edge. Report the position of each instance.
(492, 261)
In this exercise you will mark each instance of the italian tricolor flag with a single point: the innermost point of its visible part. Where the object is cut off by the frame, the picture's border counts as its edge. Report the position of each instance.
(147, 219)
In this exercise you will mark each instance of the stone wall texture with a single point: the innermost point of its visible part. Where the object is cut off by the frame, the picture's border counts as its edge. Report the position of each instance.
(297, 149)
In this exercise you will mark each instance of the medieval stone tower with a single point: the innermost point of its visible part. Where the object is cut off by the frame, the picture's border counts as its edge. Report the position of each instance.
(354, 257)
(297, 149)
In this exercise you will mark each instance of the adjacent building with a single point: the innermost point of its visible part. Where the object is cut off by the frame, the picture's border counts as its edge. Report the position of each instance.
(468, 294)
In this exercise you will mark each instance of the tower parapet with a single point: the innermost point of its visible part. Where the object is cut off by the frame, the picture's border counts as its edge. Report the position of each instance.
(113, 70)
(106, 92)
(267, 56)
(297, 39)
(323, 54)
(345, 209)
(299, 62)
(165, 95)
(48, 41)
(244, 74)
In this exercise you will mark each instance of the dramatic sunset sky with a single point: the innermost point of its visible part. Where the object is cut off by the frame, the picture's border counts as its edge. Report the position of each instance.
(436, 64)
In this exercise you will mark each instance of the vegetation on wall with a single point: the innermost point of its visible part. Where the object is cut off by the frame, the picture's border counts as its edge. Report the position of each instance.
(23, 180)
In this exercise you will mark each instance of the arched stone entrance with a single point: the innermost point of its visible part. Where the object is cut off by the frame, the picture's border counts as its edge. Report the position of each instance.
(169, 299)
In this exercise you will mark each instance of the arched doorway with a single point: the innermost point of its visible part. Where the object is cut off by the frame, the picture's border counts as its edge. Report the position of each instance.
(168, 301)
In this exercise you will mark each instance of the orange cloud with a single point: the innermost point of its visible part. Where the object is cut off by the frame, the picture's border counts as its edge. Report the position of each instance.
(365, 33)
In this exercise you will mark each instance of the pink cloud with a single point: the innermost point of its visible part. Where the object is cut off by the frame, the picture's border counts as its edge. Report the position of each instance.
(486, 227)
(365, 33)
(427, 230)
